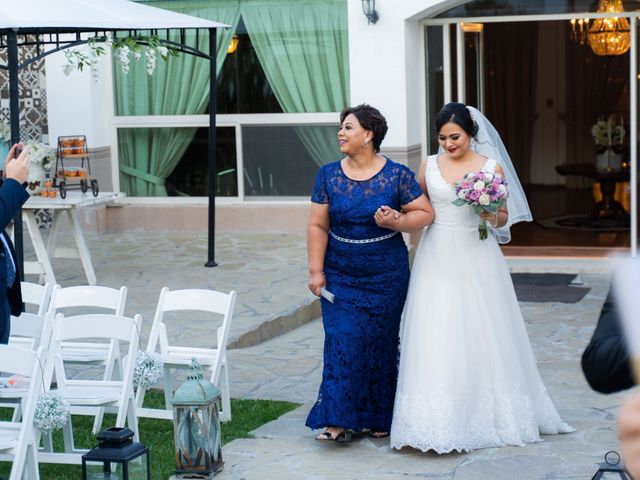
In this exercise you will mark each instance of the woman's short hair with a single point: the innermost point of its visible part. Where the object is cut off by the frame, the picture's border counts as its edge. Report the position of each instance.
(371, 119)
(459, 114)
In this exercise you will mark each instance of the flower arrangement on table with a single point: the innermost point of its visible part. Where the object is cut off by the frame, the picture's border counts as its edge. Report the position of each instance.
(608, 134)
(41, 158)
(484, 192)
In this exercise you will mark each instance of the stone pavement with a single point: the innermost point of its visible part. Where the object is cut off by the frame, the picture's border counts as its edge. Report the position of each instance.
(269, 273)
(289, 368)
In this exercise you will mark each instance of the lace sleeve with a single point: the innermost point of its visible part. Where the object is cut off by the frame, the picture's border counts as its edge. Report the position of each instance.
(408, 188)
(319, 194)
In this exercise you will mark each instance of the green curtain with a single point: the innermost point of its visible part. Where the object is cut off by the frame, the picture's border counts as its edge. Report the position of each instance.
(179, 86)
(302, 46)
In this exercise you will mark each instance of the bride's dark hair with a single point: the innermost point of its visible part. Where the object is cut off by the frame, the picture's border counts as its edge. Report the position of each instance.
(459, 114)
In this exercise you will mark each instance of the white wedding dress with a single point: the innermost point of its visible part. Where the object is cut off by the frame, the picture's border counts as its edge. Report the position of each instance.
(468, 378)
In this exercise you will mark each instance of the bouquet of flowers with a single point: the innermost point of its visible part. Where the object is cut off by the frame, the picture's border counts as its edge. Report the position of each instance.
(484, 192)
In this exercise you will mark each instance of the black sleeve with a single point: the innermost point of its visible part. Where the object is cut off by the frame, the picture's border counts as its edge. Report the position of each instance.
(605, 361)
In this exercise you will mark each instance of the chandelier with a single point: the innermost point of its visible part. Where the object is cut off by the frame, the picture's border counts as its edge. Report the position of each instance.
(605, 36)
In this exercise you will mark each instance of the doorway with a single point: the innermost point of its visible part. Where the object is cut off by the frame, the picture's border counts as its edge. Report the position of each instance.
(544, 92)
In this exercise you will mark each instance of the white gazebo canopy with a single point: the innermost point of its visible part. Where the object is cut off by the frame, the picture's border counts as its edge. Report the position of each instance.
(93, 15)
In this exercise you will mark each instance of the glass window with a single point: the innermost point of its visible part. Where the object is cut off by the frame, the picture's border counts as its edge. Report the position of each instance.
(242, 84)
(147, 154)
(485, 8)
(283, 160)
(191, 175)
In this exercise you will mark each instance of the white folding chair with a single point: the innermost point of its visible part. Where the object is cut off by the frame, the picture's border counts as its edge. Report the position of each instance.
(17, 439)
(84, 297)
(174, 357)
(30, 330)
(84, 396)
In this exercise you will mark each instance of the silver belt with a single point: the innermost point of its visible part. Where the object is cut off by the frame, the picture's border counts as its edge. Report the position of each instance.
(365, 240)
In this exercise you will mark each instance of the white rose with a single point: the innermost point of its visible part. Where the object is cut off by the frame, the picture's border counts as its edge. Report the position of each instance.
(462, 194)
(484, 199)
(488, 177)
(479, 185)
(502, 189)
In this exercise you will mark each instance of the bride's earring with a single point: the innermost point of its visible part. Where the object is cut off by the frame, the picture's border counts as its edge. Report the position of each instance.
(366, 142)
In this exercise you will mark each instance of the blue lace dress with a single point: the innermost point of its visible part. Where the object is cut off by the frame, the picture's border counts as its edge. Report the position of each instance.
(369, 280)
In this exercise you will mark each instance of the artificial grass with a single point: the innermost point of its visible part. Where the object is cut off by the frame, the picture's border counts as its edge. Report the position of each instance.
(247, 415)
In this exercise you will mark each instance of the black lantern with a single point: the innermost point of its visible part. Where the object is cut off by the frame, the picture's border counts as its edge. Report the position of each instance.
(117, 457)
(369, 9)
(611, 468)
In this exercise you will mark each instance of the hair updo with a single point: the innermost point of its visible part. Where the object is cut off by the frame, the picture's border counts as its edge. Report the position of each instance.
(459, 114)
(370, 119)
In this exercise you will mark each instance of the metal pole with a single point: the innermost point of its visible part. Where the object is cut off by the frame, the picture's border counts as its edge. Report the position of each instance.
(633, 126)
(14, 114)
(212, 149)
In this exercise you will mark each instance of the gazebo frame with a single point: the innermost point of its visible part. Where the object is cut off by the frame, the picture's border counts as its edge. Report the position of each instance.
(62, 38)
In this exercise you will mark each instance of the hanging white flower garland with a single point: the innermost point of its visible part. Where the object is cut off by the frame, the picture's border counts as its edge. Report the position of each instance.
(87, 55)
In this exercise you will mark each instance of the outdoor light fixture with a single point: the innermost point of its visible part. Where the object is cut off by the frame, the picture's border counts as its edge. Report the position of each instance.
(117, 457)
(233, 45)
(369, 9)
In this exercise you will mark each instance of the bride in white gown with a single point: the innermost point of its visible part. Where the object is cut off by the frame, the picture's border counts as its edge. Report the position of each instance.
(468, 378)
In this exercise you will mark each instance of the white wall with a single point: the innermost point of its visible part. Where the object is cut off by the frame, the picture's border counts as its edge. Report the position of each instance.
(385, 64)
(76, 104)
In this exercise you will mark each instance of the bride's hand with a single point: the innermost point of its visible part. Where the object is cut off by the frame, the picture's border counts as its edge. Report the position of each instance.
(491, 218)
(387, 217)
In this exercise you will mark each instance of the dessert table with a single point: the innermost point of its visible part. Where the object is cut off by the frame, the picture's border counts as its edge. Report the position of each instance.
(57, 205)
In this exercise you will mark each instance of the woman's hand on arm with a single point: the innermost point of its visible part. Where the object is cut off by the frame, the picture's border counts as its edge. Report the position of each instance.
(414, 216)
(317, 239)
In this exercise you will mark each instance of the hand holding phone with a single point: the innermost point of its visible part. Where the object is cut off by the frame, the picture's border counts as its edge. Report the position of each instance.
(17, 167)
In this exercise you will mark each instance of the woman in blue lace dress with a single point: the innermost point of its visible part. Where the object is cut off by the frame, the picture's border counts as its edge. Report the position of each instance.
(359, 206)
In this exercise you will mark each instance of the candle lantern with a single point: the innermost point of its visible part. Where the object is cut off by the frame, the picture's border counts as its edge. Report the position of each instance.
(117, 457)
(196, 424)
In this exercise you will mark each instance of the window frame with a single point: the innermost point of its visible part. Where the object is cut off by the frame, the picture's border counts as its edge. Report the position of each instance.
(236, 121)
